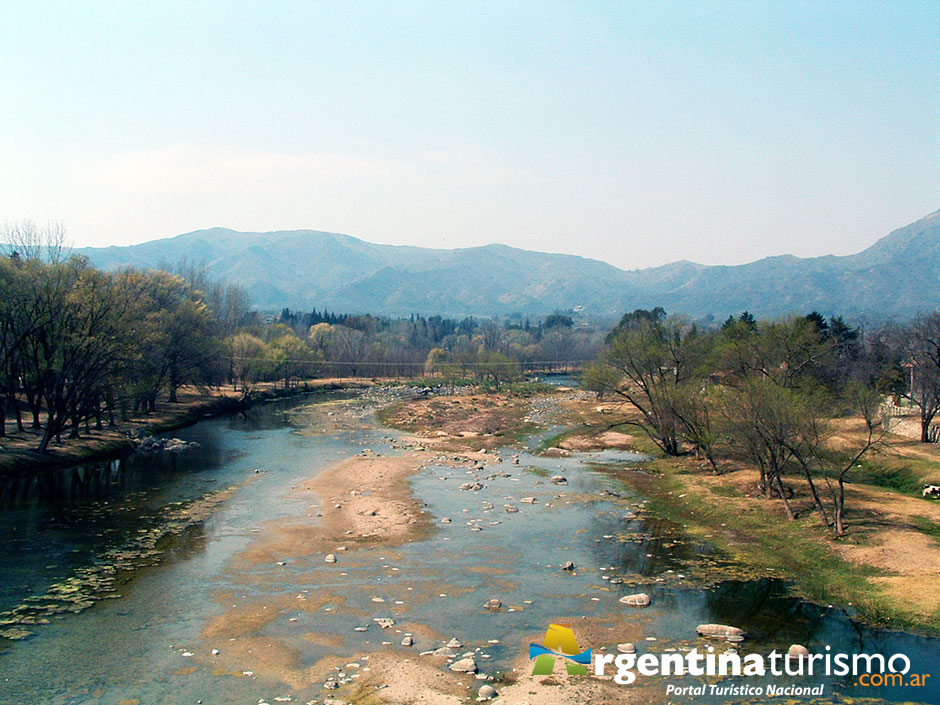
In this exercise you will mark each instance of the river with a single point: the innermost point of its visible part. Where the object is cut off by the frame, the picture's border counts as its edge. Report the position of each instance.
(116, 568)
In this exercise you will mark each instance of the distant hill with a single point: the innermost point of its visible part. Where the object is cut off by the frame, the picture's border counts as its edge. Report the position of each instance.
(897, 276)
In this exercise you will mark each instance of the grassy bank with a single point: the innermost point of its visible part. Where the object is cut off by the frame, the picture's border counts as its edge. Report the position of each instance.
(757, 535)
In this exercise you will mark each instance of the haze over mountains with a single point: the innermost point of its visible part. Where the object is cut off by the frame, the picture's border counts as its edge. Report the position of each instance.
(897, 276)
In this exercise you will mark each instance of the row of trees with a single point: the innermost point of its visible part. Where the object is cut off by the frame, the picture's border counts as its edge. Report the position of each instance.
(482, 350)
(81, 346)
(78, 344)
(771, 392)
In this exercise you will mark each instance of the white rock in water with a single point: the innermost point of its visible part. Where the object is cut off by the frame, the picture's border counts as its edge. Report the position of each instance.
(559, 480)
(626, 648)
(330, 558)
(408, 640)
(797, 652)
(493, 604)
(640, 599)
(454, 644)
(510, 508)
(569, 566)
(528, 500)
(384, 622)
(486, 692)
(464, 665)
(721, 631)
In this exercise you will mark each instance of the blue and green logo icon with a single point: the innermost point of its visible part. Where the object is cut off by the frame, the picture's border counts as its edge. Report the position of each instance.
(559, 643)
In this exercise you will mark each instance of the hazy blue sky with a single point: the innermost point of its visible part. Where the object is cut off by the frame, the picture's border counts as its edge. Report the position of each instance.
(638, 133)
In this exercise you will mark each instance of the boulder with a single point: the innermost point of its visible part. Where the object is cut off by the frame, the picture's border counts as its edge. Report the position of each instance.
(486, 692)
(721, 631)
(640, 599)
(464, 665)
(626, 648)
(797, 652)
(569, 566)
(555, 452)
(494, 605)
(558, 480)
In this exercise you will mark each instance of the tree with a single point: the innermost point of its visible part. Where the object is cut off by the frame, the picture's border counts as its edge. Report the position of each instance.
(177, 342)
(289, 358)
(649, 359)
(82, 340)
(866, 402)
(923, 350)
(434, 364)
(248, 357)
(497, 367)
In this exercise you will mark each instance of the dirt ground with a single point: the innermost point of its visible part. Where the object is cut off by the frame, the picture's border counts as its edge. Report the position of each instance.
(462, 422)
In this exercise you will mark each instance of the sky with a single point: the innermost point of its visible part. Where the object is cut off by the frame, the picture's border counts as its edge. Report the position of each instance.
(636, 133)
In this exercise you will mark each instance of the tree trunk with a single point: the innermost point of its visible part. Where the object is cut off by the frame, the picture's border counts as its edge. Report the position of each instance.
(783, 496)
(18, 412)
(820, 509)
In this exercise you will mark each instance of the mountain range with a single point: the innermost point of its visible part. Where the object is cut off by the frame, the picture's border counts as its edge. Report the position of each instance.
(897, 276)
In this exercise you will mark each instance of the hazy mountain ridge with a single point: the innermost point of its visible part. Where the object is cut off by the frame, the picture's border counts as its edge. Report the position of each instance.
(898, 275)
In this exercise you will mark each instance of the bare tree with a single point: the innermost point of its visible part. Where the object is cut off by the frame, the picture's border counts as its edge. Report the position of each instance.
(24, 239)
(922, 337)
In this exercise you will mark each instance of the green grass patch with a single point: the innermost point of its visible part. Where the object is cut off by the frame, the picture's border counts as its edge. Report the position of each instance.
(926, 526)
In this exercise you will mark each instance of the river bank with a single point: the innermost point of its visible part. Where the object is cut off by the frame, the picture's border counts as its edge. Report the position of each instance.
(17, 454)
(886, 570)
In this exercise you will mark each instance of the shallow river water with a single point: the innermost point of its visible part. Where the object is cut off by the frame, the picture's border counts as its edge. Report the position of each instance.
(157, 535)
